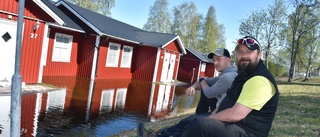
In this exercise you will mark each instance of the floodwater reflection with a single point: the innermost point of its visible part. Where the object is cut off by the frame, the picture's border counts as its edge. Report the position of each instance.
(112, 106)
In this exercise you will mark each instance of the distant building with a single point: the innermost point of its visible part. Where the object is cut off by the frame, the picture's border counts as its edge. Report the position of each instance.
(194, 65)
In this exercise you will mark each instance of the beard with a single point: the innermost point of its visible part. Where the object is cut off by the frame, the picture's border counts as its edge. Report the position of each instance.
(246, 68)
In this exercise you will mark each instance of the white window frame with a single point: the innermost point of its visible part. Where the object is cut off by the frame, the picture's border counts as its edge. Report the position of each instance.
(120, 99)
(106, 100)
(112, 55)
(126, 57)
(203, 67)
(62, 51)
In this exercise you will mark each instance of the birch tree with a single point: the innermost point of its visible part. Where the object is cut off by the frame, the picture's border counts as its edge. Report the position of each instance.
(99, 6)
(159, 17)
(186, 23)
(304, 18)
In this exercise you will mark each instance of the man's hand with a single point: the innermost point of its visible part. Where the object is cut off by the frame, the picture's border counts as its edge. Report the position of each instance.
(190, 91)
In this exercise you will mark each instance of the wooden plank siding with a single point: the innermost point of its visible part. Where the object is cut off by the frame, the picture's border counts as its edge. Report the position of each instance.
(189, 68)
(63, 68)
(33, 69)
(85, 57)
(171, 48)
(106, 72)
(31, 46)
(143, 65)
(210, 69)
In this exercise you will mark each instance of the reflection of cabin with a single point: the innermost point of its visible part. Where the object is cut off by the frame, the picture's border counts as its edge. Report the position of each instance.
(32, 106)
(62, 39)
(126, 95)
(194, 65)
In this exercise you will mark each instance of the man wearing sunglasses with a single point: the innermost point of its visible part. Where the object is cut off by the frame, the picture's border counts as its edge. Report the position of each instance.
(249, 106)
(251, 103)
(214, 89)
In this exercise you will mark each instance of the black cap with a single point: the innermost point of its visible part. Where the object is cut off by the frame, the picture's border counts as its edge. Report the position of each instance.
(219, 52)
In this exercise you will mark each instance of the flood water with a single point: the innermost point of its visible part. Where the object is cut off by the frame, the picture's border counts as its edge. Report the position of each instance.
(108, 108)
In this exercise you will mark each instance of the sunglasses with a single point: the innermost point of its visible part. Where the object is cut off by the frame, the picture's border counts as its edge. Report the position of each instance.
(250, 42)
(247, 41)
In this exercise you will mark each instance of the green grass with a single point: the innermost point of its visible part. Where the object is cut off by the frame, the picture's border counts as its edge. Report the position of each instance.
(298, 112)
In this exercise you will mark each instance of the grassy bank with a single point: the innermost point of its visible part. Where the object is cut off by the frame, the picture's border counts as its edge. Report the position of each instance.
(297, 115)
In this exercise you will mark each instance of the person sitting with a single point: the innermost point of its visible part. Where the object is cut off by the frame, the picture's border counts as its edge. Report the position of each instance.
(214, 89)
(247, 110)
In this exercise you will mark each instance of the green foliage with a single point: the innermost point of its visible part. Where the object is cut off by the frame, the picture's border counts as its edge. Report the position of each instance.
(303, 20)
(100, 6)
(187, 23)
(210, 31)
(196, 32)
(159, 17)
(276, 69)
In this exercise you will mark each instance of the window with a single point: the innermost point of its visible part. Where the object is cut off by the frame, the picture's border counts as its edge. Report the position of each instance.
(121, 96)
(106, 101)
(113, 55)
(126, 57)
(203, 67)
(62, 48)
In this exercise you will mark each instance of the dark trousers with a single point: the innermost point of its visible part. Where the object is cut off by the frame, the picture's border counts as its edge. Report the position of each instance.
(200, 125)
(206, 103)
(208, 127)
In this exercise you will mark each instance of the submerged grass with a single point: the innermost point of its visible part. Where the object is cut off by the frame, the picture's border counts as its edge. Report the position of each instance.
(297, 115)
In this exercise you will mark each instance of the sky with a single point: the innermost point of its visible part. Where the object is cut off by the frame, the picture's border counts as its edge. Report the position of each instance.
(228, 12)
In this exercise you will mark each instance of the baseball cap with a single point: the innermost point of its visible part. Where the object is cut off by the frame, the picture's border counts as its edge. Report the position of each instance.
(219, 52)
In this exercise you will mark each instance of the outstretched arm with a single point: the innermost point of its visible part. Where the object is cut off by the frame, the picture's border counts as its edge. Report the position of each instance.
(192, 89)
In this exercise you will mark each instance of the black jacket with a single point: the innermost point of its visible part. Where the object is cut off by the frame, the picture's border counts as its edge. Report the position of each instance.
(256, 123)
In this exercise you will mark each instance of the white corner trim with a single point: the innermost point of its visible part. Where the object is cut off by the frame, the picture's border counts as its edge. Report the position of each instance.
(180, 44)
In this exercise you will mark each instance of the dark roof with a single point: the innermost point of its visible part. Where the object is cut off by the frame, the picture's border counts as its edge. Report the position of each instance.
(67, 20)
(103, 25)
(199, 55)
(154, 39)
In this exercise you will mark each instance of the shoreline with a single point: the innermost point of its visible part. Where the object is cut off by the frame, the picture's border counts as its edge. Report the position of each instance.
(158, 124)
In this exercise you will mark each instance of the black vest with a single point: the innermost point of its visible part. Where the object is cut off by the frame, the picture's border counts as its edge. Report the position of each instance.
(256, 123)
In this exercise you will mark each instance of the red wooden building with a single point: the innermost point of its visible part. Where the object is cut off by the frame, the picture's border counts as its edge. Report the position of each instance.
(62, 39)
(194, 65)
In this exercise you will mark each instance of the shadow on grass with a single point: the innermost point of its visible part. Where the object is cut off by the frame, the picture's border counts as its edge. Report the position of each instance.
(312, 81)
(297, 116)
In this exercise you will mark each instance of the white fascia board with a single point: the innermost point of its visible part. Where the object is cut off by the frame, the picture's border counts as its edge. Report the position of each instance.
(79, 16)
(119, 38)
(66, 28)
(49, 11)
(180, 44)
